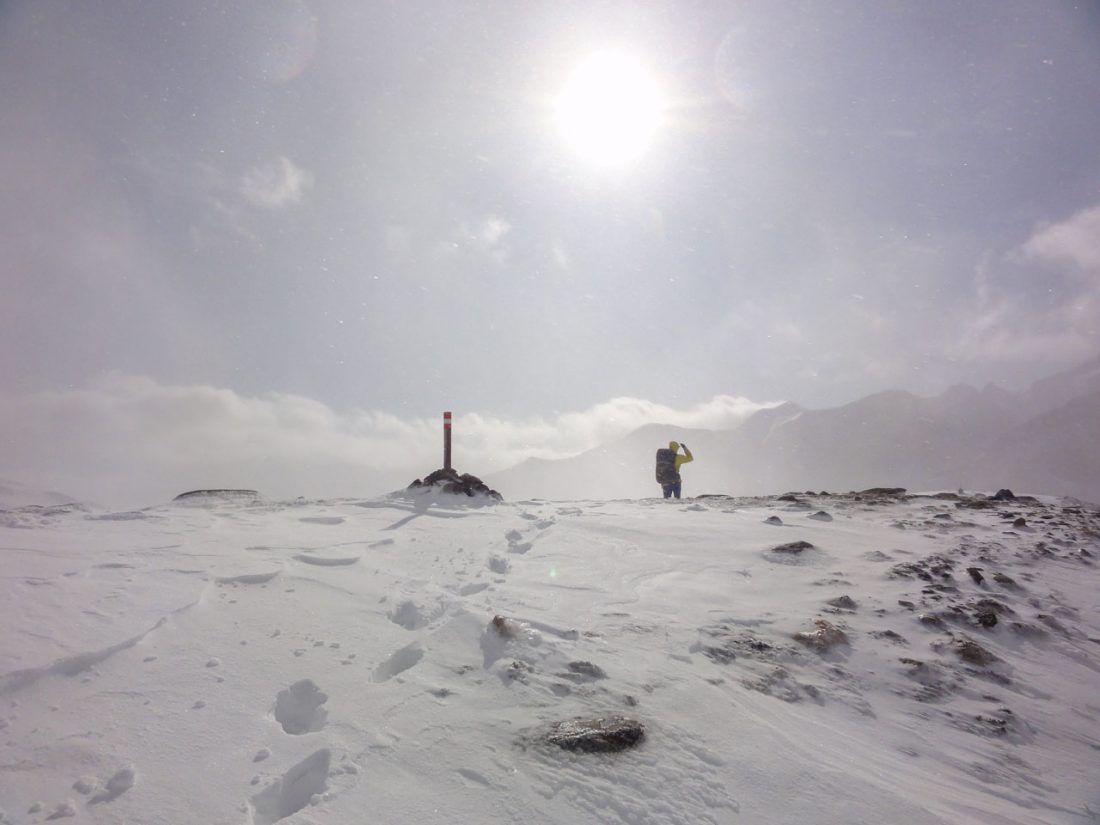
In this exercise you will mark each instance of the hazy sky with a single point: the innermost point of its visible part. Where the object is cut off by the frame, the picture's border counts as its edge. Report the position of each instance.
(373, 207)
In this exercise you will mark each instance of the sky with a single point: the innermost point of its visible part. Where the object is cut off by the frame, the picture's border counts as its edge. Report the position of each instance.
(377, 209)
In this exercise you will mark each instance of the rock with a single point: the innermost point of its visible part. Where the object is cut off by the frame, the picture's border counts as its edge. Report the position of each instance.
(1020, 522)
(602, 735)
(504, 627)
(976, 574)
(773, 520)
(1004, 495)
(986, 617)
(826, 637)
(975, 504)
(820, 515)
(845, 602)
(791, 497)
(891, 492)
(453, 483)
(970, 651)
(793, 547)
(228, 494)
(889, 635)
(1005, 581)
(587, 670)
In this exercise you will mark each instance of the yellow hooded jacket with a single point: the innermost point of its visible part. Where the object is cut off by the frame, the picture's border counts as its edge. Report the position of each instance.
(681, 460)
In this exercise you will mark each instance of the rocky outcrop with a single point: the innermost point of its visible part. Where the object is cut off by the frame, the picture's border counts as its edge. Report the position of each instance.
(450, 481)
(193, 495)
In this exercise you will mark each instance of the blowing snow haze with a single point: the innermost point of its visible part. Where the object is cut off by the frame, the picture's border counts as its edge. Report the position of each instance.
(265, 244)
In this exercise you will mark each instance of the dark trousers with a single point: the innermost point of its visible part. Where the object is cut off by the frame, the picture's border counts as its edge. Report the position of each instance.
(671, 489)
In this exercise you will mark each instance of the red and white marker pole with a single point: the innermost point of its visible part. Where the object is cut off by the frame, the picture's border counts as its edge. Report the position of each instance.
(447, 440)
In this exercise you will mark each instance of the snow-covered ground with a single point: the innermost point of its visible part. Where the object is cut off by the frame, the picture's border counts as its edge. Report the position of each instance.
(245, 661)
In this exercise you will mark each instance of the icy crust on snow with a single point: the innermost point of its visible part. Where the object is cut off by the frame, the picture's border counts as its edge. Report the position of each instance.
(924, 659)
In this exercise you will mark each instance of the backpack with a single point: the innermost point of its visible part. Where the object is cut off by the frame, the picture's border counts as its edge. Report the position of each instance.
(666, 467)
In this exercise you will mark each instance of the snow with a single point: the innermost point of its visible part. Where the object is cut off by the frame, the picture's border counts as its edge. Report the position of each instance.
(248, 661)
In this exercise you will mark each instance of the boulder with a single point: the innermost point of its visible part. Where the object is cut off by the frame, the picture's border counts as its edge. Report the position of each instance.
(601, 735)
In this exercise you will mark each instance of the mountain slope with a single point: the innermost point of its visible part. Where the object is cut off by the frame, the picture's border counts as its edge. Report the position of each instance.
(1043, 438)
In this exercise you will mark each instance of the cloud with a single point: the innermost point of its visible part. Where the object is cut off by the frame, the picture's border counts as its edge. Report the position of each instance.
(128, 440)
(1076, 240)
(275, 184)
(1041, 301)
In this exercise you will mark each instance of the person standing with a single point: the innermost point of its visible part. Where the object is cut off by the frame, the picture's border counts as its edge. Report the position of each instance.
(669, 462)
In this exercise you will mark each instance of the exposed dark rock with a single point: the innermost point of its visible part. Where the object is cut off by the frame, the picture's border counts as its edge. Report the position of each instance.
(909, 570)
(198, 494)
(889, 635)
(586, 670)
(931, 619)
(729, 647)
(504, 627)
(604, 735)
(970, 651)
(792, 547)
(1005, 581)
(773, 520)
(1004, 495)
(889, 492)
(825, 638)
(452, 482)
(986, 617)
(1020, 522)
(820, 515)
(845, 602)
(976, 574)
(974, 504)
(789, 497)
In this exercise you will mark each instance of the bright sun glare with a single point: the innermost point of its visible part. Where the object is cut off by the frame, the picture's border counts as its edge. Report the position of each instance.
(609, 109)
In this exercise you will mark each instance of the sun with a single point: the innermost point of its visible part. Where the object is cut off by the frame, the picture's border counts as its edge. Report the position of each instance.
(609, 109)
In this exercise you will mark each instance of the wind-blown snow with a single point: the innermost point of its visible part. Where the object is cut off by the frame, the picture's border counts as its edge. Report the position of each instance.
(919, 660)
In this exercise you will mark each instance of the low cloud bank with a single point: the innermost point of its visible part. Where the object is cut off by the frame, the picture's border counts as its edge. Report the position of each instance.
(128, 441)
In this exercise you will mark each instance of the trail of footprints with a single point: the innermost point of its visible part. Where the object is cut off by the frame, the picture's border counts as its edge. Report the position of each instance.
(300, 708)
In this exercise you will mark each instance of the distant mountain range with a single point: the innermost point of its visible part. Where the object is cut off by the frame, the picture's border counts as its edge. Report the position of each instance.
(1045, 440)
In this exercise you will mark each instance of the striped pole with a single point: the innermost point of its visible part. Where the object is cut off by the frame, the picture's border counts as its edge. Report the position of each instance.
(447, 440)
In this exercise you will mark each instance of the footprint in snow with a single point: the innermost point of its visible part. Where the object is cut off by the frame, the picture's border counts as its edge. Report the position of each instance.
(399, 662)
(299, 708)
(248, 578)
(408, 615)
(516, 544)
(329, 561)
(293, 790)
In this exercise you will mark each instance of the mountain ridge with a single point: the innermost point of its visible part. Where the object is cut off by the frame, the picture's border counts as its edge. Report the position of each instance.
(962, 437)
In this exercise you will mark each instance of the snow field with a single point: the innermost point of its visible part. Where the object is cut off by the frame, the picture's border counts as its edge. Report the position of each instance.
(261, 662)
